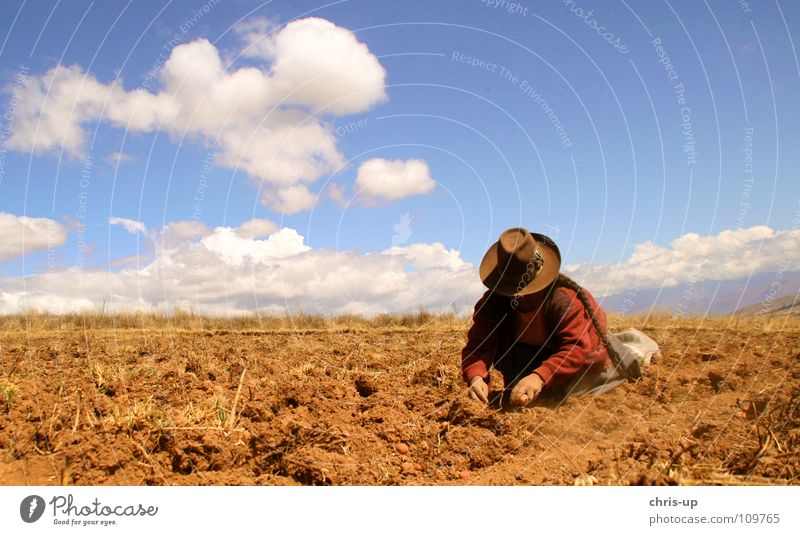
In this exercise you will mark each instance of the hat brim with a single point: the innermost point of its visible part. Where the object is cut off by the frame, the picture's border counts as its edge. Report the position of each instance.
(494, 277)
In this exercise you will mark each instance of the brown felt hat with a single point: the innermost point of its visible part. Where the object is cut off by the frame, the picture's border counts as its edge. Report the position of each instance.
(520, 263)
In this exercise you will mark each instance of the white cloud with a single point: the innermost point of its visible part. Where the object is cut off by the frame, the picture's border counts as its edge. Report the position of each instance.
(178, 232)
(425, 256)
(130, 225)
(289, 200)
(235, 250)
(729, 255)
(263, 120)
(393, 179)
(44, 300)
(256, 228)
(225, 273)
(20, 235)
(255, 33)
(317, 63)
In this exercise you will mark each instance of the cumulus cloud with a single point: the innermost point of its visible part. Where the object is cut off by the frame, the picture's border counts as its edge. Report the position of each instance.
(229, 270)
(20, 235)
(235, 250)
(389, 180)
(254, 32)
(265, 120)
(729, 255)
(178, 232)
(289, 200)
(225, 273)
(256, 228)
(131, 225)
(319, 64)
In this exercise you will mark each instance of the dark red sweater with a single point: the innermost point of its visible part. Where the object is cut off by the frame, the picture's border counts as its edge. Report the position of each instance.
(569, 336)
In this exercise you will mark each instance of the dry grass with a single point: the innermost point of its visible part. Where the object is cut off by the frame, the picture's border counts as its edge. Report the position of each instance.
(188, 320)
(663, 321)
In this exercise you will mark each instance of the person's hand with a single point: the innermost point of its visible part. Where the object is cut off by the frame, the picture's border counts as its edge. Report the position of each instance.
(478, 389)
(527, 390)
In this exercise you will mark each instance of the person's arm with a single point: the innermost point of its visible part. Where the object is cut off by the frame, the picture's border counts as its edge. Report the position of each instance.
(478, 353)
(578, 346)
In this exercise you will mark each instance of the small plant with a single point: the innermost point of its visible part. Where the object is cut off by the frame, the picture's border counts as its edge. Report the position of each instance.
(8, 391)
(138, 416)
(222, 413)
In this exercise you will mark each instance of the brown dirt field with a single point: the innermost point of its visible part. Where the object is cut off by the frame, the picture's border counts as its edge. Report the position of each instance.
(385, 405)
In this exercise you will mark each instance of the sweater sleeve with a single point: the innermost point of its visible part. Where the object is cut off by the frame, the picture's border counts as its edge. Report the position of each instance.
(478, 353)
(578, 347)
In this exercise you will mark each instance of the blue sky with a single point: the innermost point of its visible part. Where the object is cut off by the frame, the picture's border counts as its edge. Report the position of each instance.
(475, 89)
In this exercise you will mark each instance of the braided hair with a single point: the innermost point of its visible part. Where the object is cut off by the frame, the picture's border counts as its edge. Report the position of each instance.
(567, 282)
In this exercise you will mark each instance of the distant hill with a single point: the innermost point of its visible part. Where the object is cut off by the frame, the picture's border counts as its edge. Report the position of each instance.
(782, 306)
(713, 297)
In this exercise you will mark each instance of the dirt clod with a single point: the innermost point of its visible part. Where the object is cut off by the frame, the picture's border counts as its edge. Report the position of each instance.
(365, 387)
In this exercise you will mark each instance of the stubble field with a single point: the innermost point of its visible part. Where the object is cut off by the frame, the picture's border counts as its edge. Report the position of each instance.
(94, 400)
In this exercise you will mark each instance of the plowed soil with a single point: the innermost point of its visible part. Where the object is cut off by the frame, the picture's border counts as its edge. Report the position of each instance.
(383, 406)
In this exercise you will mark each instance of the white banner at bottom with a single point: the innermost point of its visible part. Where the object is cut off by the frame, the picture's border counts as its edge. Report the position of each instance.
(119, 510)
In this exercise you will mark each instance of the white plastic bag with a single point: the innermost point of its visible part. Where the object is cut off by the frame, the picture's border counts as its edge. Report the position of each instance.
(636, 350)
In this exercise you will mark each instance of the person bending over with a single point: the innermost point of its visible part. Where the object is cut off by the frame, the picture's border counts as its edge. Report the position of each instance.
(541, 330)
